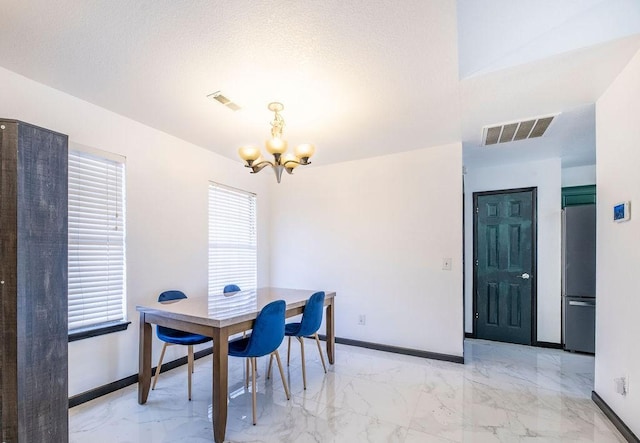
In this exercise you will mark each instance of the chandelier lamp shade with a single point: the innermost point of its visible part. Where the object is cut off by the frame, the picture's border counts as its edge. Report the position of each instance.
(276, 146)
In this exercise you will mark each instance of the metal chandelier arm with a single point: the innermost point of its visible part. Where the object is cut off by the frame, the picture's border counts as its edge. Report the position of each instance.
(302, 162)
(257, 167)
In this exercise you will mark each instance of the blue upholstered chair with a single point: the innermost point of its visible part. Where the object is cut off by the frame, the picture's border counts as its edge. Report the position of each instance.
(266, 336)
(175, 337)
(307, 327)
(231, 288)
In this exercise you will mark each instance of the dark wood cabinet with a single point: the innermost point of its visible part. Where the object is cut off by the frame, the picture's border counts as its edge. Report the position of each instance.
(33, 284)
(578, 195)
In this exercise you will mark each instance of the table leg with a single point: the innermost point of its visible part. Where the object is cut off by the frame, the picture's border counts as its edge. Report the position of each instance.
(144, 362)
(220, 383)
(330, 333)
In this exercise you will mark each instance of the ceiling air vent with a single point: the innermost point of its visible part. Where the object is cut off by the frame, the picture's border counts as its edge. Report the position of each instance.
(217, 96)
(509, 132)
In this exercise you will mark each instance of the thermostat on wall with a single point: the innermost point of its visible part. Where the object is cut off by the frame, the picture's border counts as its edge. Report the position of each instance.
(621, 211)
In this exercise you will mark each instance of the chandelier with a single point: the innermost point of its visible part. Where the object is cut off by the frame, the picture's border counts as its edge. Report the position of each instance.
(277, 146)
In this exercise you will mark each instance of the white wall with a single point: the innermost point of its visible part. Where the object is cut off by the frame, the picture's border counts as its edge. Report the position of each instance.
(166, 193)
(579, 176)
(376, 231)
(546, 176)
(618, 247)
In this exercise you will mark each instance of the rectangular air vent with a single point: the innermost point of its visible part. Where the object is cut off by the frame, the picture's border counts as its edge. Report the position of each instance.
(509, 132)
(217, 96)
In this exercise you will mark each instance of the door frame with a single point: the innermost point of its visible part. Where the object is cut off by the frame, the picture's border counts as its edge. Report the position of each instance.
(534, 257)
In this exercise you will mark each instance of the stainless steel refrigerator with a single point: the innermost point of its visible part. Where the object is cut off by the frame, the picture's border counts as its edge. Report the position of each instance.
(579, 277)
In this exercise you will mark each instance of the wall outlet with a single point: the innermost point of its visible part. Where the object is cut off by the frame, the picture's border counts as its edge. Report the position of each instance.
(622, 385)
(362, 319)
(446, 264)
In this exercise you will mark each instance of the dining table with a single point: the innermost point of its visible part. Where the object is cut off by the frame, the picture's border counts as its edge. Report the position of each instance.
(220, 316)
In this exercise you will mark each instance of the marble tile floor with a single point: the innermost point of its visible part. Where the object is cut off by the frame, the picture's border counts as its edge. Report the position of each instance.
(503, 393)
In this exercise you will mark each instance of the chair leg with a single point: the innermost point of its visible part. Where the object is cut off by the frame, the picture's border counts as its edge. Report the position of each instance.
(304, 370)
(190, 368)
(320, 351)
(270, 364)
(284, 382)
(246, 371)
(254, 363)
(288, 350)
(155, 379)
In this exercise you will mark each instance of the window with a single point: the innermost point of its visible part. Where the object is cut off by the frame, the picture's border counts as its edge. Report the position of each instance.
(96, 243)
(232, 238)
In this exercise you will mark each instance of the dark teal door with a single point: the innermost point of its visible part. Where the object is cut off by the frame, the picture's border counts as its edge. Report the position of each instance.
(504, 273)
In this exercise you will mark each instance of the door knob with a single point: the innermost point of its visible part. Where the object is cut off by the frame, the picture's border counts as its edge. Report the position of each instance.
(524, 276)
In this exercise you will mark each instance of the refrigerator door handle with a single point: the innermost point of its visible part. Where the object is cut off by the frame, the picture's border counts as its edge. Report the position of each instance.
(582, 303)
(563, 254)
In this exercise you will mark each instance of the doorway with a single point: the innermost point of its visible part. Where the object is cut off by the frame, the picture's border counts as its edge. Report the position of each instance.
(504, 274)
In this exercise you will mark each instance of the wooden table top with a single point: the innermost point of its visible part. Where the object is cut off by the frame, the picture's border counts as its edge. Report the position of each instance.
(222, 310)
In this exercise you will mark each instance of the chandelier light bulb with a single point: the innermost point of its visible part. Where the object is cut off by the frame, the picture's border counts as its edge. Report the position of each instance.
(249, 153)
(290, 161)
(276, 145)
(304, 151)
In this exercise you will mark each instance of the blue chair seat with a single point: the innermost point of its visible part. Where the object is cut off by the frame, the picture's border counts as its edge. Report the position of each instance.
(177, 337)
(292, 328)
(238, 347)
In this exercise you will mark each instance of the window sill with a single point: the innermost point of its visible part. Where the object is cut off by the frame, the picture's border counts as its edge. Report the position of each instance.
(96, 330)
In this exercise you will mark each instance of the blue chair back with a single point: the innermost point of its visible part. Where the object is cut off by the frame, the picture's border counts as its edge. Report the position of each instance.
(268, 330)
(312, 315)
(171, 295)
(231, 288)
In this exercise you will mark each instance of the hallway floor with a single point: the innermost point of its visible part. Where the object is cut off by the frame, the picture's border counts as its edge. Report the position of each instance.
(503, 393)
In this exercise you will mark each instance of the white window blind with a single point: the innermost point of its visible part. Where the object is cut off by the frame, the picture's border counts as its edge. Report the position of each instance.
(232, 238)
(96, 241)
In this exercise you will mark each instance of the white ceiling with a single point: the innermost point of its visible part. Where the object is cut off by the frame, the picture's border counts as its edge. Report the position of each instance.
(357, 78)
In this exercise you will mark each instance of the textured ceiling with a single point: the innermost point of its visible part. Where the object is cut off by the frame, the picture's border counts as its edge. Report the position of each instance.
(497, 34)
(357, 78)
